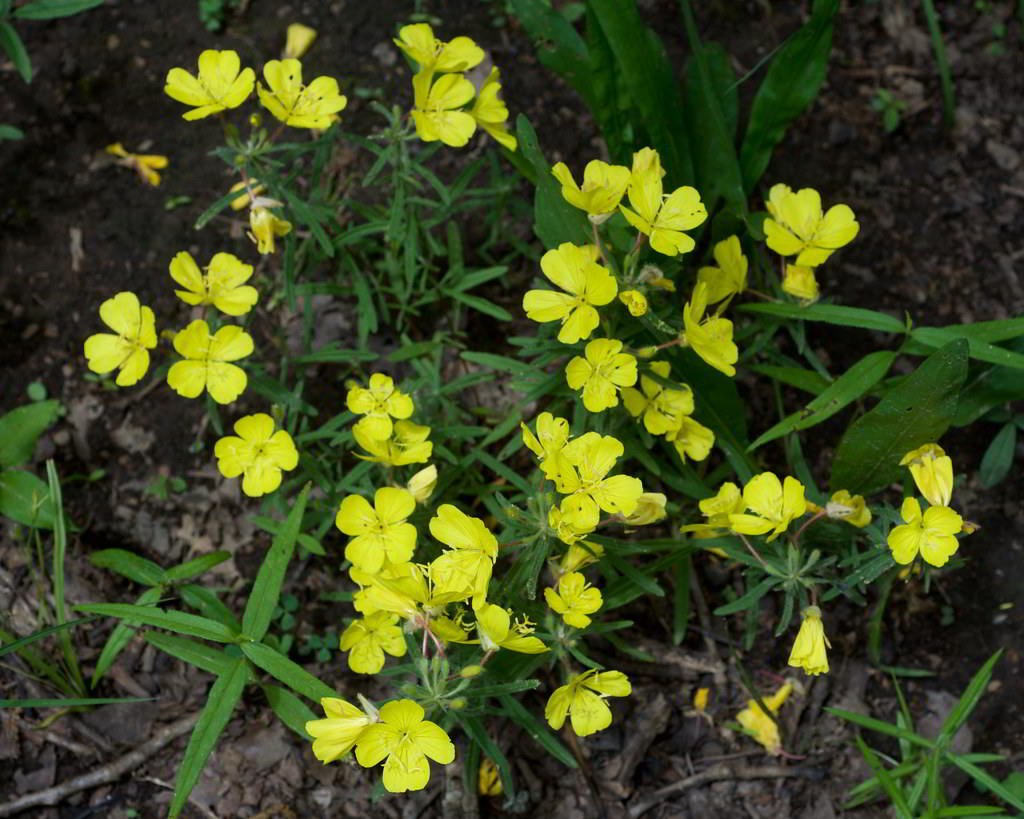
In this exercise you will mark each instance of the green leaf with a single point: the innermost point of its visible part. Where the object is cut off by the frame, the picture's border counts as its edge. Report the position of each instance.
(846, 389)
(72, 702)
(476, 731)
(882, 727)
(831, 314)
(515, 687)
(983, 778)
(24, 498)
(998, 458)
(120, 637)
(224, 694)
(915, 412)
(50, 9)
(16, 645)
(802, 379)
(481, 305)
(968, 700)
(749, 599)
(537, 730)
(982, 351)
(129, 565)
(260, 607)
(554, 220)
(889, 785)
(12, 133)
(208, 658)
(21, 427)
(292, 711)
(500, 362)
(283, 669)
(195, 567)
(790, 85)
(11, 43)
(178, 621)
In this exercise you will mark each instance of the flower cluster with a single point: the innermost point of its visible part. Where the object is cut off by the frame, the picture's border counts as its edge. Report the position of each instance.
(442, 92)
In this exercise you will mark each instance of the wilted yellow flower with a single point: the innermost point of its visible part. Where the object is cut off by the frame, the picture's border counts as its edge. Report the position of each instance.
(650, 508)
(761, 726)
(223, 284)
(579, 555)
(145, 165)
(932, 470)
(603, 186)
(220, 84)
(488, 780)
(298, 39)
(849, 508)
(635, 301)
(258, 453)
(730, 277)
(491, 113)
(800, 282)
(128, 350)
(933, 534)
(264, 226)
(809, 647)
(797, 225)
(295, 104)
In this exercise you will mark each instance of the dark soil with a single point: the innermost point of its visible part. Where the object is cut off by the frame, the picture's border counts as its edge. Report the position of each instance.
(942, 237)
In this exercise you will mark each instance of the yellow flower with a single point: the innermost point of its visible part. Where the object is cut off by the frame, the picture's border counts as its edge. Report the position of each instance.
(575, 269)
(221, 285)
(592, 456)
(932, 470)
(380, 403)
(809, 647)
(220, 84)
(730, 277)
(253, 188)
(337, 734)
(418, 41)
(574, 599)
(718, 509)
(635, 301)
(144, 164)
(128, 350)
(366, 641)
(488, 780)
(466, 567)
(258, 453)
(207, 362)
(662, 218)
(761, 726)
(603, 186)
(579, 555)
(298, 39)
(774, 505)
(436, 114)
(691, 439)
(650, 508)
(552, 436)
(573, 520)
(408, 444)
(932, 534)
(496, 629)
(700, 699)
(662, 408)
(295, 104)
(491, 113)
(582, 699)
(264, 226)
(710, 338)
(604, 370)
(797, 225)
(421, 485)
(404, 740)
(850, 508)
(379, 532)
(800, 282)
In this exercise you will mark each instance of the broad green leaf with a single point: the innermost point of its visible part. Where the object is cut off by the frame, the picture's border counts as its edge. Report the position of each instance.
(12, 45)
(537, 730)
(987, 389)
(650, 80)
(790, 85)
(24, 498)
(554, 220)
(50, 9)
(196, 566)
(915, 412)
(292, 711)
(846, 389)
(221, 700)
(831, 314)
(998, 458)
(21, 427)
(120, 637)
(260, 607)
(283, 669)
(802, 379)
(206, 602)
(611, 105)
(178, 621)
(129, 565)
(982, 351)
(201, 655)
(10, 132)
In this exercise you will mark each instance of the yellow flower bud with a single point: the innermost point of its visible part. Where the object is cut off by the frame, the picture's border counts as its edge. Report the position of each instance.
(800, 282)
(635, 301)
(422, 484)
(471, 671)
